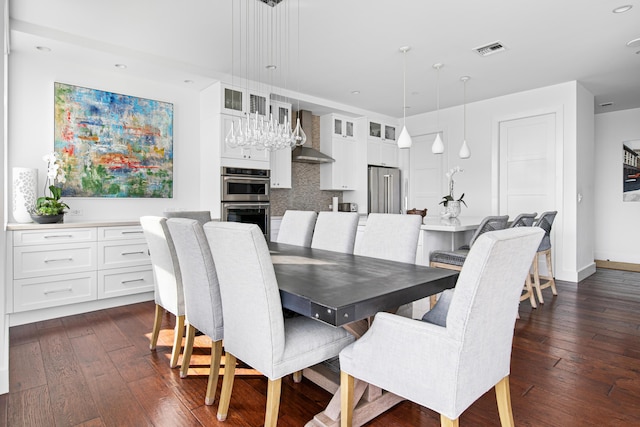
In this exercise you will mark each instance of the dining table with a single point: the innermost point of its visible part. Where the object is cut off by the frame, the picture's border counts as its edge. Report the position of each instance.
(346, 290)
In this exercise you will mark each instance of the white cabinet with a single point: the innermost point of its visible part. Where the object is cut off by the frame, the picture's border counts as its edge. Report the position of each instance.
(342, 127)
(59, 266)
(382, 131)
(281, 159)
(238, 101)
(239, 153)
(381, 144)
(341, 174)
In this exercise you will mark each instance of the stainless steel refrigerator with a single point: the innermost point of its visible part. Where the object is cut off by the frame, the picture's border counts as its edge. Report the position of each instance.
(384, 190)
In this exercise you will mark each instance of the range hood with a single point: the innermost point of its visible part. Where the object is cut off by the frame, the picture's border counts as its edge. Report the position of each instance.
(306, 154)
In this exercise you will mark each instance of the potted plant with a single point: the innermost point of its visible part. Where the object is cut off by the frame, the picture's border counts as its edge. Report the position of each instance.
(450, 203)
(50, 208)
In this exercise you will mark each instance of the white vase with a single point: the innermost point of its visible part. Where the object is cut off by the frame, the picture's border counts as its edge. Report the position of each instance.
(25, 181)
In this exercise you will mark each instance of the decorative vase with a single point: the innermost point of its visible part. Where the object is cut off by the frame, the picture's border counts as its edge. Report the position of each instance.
(48, 219)
(25, 181)
(453, 208)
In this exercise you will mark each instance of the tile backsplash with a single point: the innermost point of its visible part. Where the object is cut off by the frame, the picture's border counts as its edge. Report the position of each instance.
(305, 193)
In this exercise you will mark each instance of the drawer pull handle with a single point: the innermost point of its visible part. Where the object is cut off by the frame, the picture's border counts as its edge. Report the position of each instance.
(124, 282)
(55, 291)
(58, 236)
(132, 232)
(132, 253)
(58, 259)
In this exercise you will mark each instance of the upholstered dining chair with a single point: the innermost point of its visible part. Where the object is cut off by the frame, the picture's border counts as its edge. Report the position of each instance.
(203, 306)
(335, 231)
(390, 236)
(255, 330)
(454, 260)
(447, 362)
(526, 220)
(545, 222)
(201, 216)
(296, 228)
(168, 293)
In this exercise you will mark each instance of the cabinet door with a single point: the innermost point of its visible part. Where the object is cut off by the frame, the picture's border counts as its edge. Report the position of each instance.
(388, 154)
(349, 129)
(233, 101)
(243, 153)
(341, 173)
(281, 159)
(258, 103)
(389, 133)
(375, 130)
(338, 126)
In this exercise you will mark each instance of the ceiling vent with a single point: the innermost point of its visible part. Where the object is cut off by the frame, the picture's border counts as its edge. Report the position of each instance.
(490, 49)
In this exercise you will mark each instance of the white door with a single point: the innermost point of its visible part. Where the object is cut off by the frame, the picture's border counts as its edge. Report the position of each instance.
(425, 175)
(527, 165)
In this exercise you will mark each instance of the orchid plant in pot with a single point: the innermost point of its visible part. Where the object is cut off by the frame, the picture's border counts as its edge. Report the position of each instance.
(450, 203)
(50, 208)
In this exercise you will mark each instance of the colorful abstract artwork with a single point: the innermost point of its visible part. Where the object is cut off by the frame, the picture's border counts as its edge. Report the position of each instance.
(113, 145)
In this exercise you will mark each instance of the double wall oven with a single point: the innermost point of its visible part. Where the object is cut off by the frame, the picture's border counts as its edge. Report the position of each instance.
(245, 197)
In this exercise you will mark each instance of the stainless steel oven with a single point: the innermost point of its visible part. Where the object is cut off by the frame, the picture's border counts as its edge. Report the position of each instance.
(245, 197)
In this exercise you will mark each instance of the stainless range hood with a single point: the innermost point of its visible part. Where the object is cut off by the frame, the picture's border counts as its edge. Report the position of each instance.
(306, 154)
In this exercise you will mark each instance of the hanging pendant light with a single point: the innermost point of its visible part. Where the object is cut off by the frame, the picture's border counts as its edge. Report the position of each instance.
(404, 141)
(464, 150)
(438, 145)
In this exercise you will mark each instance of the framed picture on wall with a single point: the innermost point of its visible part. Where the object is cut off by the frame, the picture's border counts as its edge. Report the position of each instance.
(113, 145)
(631, 171)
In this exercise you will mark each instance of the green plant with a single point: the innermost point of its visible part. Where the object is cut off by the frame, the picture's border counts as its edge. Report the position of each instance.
(51, 205)
(448, 198)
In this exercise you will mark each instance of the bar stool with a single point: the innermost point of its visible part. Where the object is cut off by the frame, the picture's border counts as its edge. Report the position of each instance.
(545, 222)
(526, 220)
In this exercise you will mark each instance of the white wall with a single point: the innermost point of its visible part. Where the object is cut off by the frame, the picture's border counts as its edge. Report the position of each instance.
(479, 181)
(4, 318)
(616, 232)
(31, 121)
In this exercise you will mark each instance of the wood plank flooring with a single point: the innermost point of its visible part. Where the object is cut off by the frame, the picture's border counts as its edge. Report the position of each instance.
(576, 362)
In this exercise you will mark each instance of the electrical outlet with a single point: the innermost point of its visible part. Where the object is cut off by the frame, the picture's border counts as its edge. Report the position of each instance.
(75, 212)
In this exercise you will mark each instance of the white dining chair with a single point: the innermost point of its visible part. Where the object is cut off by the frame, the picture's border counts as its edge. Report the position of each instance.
(168, 293)
(390, 236)
(201, 216)
(203, 305)
(296, 228)
(255, 330)
(335, 231)
(447, 362)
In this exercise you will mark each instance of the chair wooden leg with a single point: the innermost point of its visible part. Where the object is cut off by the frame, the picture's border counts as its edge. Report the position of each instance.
(177, 341)
(157, 321)
(297, 376)
(273, 403)
(216, 355)
(346, 399)
(188, 349)
(536, 279)
(552, 281)
(227, 386)
(529, 292)
(503, 396)
(447, 422)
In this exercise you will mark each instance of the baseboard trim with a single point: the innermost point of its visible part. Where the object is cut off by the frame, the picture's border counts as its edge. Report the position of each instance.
(586, 272)
(4, 381)
(614, 265)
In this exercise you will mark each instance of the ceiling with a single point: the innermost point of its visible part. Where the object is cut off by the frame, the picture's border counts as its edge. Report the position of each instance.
(353, 45)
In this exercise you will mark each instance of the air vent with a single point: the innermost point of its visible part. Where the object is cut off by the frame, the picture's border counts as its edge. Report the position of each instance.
(490, 49)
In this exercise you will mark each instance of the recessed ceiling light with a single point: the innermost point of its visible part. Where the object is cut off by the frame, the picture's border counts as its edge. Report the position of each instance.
(633, 42)
(355, 92)
(606, 104)
(43, 49)
(622, 9)
(188, 81)
(121, 66)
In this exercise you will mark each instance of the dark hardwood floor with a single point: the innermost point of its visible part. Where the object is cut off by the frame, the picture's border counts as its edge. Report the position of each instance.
(576, 362)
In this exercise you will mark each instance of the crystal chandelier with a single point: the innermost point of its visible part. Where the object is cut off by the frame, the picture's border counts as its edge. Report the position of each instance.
(262, 34)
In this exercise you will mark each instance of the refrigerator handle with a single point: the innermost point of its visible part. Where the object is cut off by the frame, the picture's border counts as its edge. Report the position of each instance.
(388, 192)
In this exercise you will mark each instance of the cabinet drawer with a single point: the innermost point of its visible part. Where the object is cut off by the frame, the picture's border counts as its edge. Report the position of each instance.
(35, 261)
(41, 292)
(124, 281)
(115, 255)
(120, 233)
(53, 236)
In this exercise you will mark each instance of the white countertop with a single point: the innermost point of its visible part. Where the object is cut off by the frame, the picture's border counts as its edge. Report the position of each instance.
(462, 223)
(72, 224)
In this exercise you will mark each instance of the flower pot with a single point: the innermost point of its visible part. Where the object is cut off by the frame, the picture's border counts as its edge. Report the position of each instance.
(48, 219)
(453, 208)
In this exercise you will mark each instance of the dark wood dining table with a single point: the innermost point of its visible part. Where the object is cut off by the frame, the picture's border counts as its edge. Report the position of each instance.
(346, 290)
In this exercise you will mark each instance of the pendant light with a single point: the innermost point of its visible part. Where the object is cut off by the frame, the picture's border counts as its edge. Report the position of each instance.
(464, 150)
(404, 141)
(438, 146)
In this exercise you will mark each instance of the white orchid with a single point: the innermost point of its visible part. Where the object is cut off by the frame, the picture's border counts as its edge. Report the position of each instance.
(55, 172)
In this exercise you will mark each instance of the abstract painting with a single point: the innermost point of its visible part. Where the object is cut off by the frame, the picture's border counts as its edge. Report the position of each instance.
(631, 171)
(113, 145)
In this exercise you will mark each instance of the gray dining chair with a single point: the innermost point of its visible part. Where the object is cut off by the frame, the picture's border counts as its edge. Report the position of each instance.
(168, 293)
(335, 231)
(296, 228)
(446, 363)
(542, 282)
(202, 302)
(201, 216)
(454, 260)
(390, 236)
(255, 330)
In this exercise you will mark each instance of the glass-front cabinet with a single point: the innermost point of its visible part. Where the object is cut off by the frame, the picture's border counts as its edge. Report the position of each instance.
(238, 101)
(344, 127)
(382, 131)
(381, 144)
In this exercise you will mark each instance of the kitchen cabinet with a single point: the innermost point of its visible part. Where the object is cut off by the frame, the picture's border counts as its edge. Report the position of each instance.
(381, 144)
(281, 159)
(239, 153)
(382, 131)
(342, 127)
(341, 174)
(238, 101)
